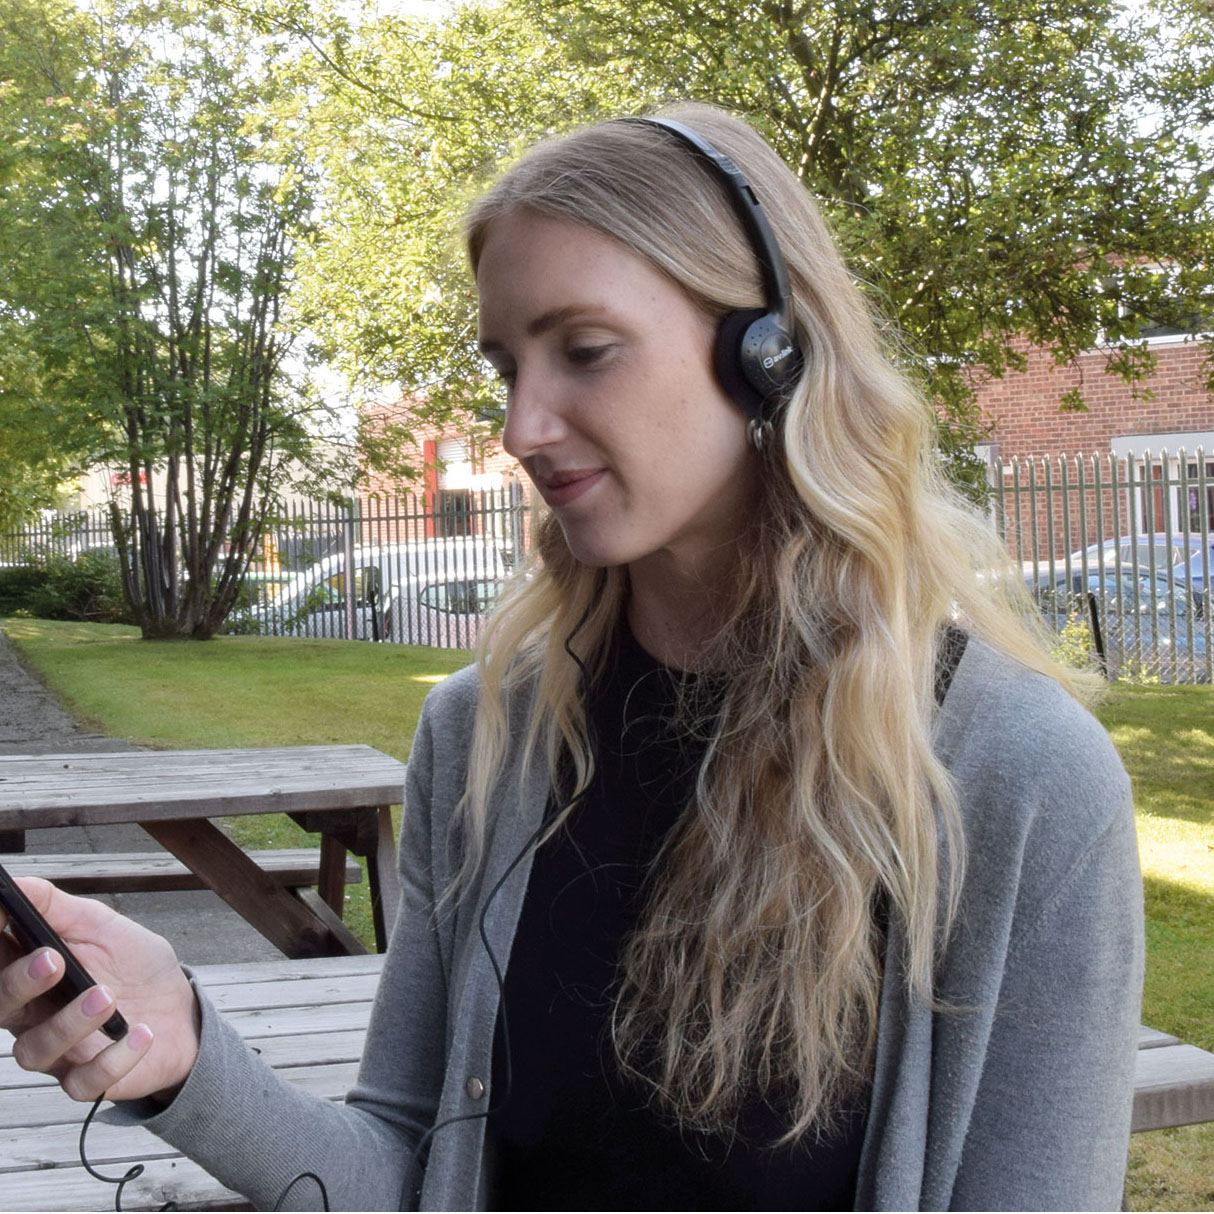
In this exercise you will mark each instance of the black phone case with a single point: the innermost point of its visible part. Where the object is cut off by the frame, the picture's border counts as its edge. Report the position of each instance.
(33, 932)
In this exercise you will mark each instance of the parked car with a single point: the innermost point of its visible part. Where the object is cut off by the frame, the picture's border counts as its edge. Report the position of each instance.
(433, 592)
(446, 613)
(1183, 555)
(1144, 623)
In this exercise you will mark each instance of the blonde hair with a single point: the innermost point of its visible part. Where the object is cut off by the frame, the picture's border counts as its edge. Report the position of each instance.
(758, 961)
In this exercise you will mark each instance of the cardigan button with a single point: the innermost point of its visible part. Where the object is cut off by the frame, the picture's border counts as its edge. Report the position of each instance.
(474, 1087)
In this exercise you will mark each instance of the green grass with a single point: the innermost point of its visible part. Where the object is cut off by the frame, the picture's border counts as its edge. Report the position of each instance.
(233, 691)
(265, 691)
(1165, 736)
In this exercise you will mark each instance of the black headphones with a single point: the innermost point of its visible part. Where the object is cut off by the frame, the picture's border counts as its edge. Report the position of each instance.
(757, 356)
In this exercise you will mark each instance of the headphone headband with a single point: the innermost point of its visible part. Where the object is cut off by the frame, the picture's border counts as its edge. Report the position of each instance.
(748, 209)
(758, 356)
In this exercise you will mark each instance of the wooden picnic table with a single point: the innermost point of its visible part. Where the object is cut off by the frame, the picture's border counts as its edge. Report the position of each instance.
(344, 793)
(308, 1019)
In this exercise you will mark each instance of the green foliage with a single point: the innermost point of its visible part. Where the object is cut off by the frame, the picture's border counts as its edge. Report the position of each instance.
(413, 117)
(1138, 674)
(997, 174)
(1074, 645)
(87, 588)
(18, 586)
(989, 168)
(153, 196)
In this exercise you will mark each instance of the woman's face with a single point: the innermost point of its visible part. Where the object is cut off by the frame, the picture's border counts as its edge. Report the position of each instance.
(612, 405)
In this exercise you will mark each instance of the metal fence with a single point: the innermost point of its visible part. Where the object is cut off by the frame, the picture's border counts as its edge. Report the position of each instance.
(68, 534)
(1118, 553)
(416, 568)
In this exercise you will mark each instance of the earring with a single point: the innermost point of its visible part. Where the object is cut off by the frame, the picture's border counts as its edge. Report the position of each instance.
(759, 432)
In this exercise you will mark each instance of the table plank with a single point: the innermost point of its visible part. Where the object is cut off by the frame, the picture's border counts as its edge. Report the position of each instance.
(123, 786)
(102, 873)
(1149, 1038)
(42, 1126)
(285, 969)
(1173, 1085)
(177, 1179)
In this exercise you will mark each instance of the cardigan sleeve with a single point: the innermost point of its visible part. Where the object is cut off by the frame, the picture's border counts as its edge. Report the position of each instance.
(1034, 1039)
(259, 1134)
(1050, 1122)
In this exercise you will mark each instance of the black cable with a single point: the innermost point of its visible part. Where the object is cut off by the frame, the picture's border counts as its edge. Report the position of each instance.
(133, 1173)
(137, 1170)
(497, 1103)
(320, 1184)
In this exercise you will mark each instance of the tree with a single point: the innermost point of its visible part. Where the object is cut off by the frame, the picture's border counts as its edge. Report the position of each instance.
(409, 119)
(148, 243)
(1003, 172)
(998, 173)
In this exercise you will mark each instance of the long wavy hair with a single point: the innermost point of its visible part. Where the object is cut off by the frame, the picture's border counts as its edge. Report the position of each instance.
(820, 807)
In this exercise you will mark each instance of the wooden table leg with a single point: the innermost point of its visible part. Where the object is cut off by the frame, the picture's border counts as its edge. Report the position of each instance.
(365, 832)
(284, 920)
(331, 884)
(383, 878)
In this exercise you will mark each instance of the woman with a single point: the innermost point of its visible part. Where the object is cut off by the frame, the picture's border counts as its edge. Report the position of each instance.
(812, 885)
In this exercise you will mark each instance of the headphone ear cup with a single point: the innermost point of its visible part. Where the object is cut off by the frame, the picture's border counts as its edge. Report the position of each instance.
(728, 360)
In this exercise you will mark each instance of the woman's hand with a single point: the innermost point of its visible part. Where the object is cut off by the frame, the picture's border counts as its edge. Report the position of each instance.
(136, 971)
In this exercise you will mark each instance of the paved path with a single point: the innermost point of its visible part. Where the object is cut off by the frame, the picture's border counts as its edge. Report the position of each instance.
(201, 927)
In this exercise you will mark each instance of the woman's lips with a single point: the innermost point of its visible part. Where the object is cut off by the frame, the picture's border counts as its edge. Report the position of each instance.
(562, 488)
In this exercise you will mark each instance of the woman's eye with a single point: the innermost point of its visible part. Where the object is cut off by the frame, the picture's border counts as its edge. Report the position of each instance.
(588, 356)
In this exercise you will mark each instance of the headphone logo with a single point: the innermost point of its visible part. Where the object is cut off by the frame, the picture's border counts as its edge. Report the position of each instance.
(777, 358)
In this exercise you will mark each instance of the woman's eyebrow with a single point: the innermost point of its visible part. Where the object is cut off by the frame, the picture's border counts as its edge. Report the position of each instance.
(546, 321)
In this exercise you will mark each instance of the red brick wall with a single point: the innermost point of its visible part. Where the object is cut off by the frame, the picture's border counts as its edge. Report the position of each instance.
(395, 512)
(1028, 420)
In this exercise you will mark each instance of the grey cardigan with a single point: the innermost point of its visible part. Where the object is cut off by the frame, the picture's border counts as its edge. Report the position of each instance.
(1013, 1092)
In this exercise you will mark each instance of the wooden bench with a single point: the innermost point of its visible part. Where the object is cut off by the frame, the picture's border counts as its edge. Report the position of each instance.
(307, 1019)
(296, 869)
(1173, 1083)
(131, 872)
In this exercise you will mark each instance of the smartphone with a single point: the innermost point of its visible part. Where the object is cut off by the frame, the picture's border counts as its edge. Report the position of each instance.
(33, 932)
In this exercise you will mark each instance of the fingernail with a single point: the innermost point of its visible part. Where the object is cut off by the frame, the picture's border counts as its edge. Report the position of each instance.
(96, 1001)
(42, 965)
(139, 1038)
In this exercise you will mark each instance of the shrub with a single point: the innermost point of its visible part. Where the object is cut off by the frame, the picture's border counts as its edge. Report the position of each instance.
(87, 588)
(1074, 645)
(18, 585)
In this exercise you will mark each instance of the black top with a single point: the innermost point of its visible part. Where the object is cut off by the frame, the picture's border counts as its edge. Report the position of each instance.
(572, 1132)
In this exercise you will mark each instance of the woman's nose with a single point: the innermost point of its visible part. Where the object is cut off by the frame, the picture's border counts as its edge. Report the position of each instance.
(533, 418)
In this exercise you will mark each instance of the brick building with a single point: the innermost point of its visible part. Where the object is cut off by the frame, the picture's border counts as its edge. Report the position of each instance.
(1132, 462)
(467, 486)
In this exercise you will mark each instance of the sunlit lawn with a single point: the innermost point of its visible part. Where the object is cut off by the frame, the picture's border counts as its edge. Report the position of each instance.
(1165, 736)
